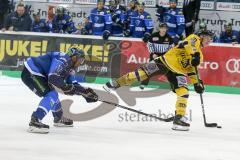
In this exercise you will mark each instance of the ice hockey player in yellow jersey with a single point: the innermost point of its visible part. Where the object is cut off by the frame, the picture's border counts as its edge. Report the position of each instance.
(177, 64)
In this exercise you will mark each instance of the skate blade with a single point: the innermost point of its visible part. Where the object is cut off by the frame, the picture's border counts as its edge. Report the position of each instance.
(33, 129)
(180, 128)
(108, 90)
(62, 125)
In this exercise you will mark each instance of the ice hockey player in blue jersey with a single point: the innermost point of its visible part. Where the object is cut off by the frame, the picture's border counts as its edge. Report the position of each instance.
(39, 25)
(62, 22)
(132, 7)
(45, 73)
(141, 25)
(229, 35)
(100, 21)
(174, 18)
(118, 13)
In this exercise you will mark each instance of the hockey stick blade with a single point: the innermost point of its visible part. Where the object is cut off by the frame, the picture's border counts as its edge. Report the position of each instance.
(211, 125)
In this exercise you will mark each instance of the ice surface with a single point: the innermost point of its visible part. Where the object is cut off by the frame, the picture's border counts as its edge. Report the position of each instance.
(110, 138)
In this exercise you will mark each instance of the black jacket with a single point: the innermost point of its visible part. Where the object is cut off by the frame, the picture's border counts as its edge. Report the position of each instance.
(22, 23)
(4, 6)
(191, 9)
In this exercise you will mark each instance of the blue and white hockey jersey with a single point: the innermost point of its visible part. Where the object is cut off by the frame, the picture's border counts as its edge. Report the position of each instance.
(230, 38)
(63, 24)
(140, 24)
(99, 21)
(118, 19)
(57, 67)
(174, 19)
(41, 26)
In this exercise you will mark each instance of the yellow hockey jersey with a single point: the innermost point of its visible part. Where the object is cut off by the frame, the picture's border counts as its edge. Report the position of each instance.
(178, 59)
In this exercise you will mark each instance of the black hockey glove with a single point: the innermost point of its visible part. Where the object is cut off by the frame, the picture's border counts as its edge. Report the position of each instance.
(176, 39)
(84, 31)
(106, 35)
(146, 37)
(126, 33)
(160, 9)
(181, 44)
(72, 89)
(199, 88)
(90, 95)
(195, 59)
(125, 25)
(115, 18)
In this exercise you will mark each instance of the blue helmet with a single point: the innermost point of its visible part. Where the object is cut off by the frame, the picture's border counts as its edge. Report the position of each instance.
(74, 51)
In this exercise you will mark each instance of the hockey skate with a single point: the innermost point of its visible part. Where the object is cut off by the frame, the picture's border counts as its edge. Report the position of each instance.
(36, 126)
(62, 122)
(179, 124)
(111, 85)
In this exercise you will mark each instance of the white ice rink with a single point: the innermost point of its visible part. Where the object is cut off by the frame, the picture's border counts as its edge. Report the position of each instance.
(111, 138)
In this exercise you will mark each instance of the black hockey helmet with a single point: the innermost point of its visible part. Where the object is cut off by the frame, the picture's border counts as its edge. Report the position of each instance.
(138, 3)
(176, 1)
(228, 27)
(203, 26)
(205, 33)
(60, 10)
(163, 24)
(36, 14)
(75, 51)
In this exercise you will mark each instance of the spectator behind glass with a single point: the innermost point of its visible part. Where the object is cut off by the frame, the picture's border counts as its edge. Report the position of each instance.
(229, 35)
(51, 14)
(39, 25)
(62, 22)
(4, 9)
(18, 20)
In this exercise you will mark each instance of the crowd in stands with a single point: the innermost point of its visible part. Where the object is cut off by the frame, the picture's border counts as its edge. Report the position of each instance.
(115, 19)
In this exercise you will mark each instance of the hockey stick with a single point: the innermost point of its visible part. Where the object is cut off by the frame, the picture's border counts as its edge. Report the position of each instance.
(139, 112)
(202, 104)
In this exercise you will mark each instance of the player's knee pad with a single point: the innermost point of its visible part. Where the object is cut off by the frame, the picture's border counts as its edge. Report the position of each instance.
(53, 97)
(182, 98)
(150, 68)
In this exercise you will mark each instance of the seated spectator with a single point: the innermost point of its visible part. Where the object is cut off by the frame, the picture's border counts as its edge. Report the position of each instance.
(62, 22)
(99, 21)
(39, 25)
(4, 9)
(19, 20)
(51, 15)
(229, 35)
(141, 25)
